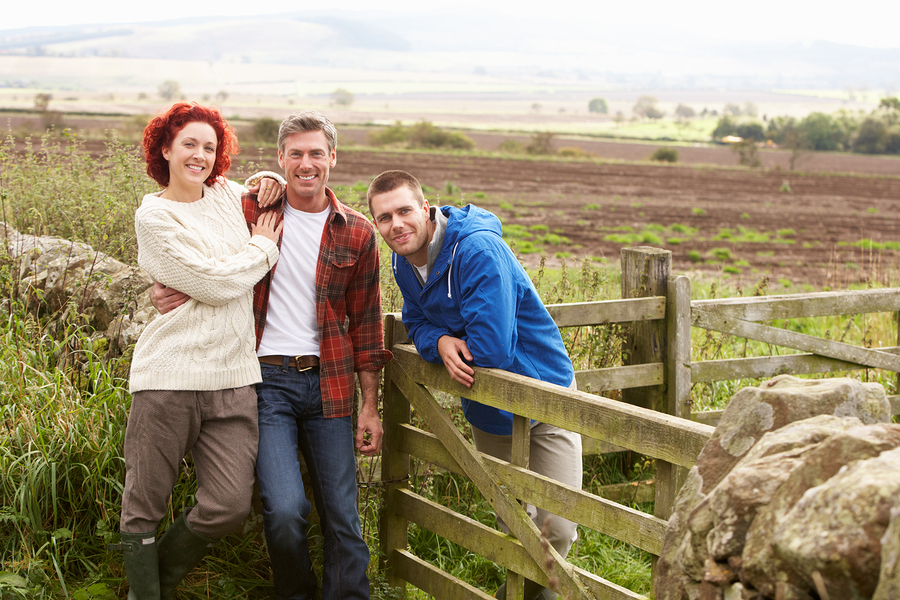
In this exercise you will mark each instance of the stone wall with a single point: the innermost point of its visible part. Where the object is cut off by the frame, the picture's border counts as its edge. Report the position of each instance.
(65, 280)
(796, 497)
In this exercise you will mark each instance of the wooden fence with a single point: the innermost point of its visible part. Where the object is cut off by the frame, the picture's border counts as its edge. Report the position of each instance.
(654, 419)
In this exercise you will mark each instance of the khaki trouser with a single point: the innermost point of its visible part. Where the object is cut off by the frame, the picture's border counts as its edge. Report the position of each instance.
(218, 428)
(554, 453)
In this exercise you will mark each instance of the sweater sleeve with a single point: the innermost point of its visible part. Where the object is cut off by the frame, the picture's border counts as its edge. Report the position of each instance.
(175, 256)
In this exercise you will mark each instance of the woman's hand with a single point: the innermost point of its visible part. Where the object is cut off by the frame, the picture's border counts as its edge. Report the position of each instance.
(165, 299)
(268, 226)
(267, 191)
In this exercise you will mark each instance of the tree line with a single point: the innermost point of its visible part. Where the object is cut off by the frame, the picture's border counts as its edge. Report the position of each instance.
(877, 132)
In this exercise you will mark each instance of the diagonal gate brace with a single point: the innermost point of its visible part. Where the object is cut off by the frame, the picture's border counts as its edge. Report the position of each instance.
(508, 509)
(799, 341)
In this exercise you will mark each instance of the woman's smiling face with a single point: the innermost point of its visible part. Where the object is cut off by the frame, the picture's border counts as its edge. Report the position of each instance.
(192, 155)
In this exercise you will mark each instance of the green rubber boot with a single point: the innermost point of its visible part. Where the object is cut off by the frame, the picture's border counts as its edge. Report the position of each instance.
(139, 551)
(180, 549)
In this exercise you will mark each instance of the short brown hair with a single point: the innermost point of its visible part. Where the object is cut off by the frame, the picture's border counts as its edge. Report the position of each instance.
(308, 120)
(390, 181)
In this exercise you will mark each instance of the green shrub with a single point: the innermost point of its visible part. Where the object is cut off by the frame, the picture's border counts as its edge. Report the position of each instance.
(574, 152)
(511, 146)
(598, 105)
(426, 135)
(541, 143)
(389, 136)
(515, 231)
(648, 237)
(694, 256)
(554, 239)
(665, 154)
(421, 135)
(265, 131)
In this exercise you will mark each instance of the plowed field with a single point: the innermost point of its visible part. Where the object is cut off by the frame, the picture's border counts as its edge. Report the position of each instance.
(747, 224)
(812, 228)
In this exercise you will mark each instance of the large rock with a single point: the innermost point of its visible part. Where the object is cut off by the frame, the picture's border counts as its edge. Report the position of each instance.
(741, 468)
(761, 565)
(64, 279)
(835, 529)
(889, 578)
(774, 404)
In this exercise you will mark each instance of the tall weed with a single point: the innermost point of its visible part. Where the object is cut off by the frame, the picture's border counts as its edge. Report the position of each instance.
(57, 186)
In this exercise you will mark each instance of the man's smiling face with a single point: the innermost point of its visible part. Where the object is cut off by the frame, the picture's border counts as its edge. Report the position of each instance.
(306, 161)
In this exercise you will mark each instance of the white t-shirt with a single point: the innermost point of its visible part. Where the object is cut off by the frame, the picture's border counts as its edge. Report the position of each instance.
(291, 326)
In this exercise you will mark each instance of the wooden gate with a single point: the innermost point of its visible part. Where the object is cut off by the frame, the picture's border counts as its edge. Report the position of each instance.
(660, 425)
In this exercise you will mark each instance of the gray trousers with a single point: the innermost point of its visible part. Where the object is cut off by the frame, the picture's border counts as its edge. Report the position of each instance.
(219, 429)
(554, 453)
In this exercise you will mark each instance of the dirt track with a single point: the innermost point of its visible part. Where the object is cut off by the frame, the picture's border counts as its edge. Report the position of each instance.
(825, 212)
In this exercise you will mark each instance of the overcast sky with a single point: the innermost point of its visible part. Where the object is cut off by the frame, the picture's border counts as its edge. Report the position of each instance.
(870, 23)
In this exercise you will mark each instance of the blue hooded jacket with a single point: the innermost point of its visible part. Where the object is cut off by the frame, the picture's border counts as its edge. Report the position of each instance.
(477, 291)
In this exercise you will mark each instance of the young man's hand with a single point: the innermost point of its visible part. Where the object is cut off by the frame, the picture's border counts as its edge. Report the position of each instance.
(455, 352)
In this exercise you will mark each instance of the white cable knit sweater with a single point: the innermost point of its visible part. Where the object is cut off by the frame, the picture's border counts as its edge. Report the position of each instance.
(203, 249)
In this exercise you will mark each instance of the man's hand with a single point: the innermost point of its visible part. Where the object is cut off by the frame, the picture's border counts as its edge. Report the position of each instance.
(267, 191)
(368, 424)
(453, 351)
(165, 299)
(368, 433)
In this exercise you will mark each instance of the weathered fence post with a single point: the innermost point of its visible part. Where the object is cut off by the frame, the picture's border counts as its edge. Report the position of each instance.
(645, 273)
(678, 386)
(395, 462)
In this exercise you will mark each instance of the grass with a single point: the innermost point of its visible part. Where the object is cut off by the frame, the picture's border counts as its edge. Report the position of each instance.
(64, 402)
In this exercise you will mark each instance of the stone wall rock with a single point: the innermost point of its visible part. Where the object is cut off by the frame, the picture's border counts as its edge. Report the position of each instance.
(773, 445)
(63, 279)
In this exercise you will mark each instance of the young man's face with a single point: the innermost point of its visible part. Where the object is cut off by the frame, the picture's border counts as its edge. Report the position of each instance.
(403, 224)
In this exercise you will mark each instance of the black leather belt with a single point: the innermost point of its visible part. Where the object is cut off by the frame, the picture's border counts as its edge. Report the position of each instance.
(301, 363)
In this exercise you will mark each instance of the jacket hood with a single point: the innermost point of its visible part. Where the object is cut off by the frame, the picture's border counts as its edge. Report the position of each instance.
(463, 222)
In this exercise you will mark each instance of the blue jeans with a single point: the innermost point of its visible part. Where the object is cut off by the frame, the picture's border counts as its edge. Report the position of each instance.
(290, 418)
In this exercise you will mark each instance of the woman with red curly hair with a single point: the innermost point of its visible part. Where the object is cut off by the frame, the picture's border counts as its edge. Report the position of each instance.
(194, 368)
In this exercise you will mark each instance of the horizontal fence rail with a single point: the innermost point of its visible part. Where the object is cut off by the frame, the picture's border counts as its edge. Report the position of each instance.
(645, 431)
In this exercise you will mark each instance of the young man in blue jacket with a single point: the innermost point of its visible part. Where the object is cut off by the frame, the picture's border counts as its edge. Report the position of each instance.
(468, 301)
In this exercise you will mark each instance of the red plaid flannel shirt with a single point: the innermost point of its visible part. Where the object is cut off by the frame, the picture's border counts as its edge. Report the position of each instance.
(348, 290)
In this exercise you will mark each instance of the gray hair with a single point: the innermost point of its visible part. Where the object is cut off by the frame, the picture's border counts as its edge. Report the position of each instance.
(308, 120)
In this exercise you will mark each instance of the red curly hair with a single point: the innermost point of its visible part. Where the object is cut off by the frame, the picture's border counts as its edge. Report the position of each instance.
(161, 131)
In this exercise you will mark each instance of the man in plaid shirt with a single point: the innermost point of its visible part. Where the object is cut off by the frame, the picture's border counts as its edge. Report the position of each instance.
(318, 321)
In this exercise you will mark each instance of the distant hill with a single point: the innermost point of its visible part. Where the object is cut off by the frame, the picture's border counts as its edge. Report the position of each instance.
(490, 44)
